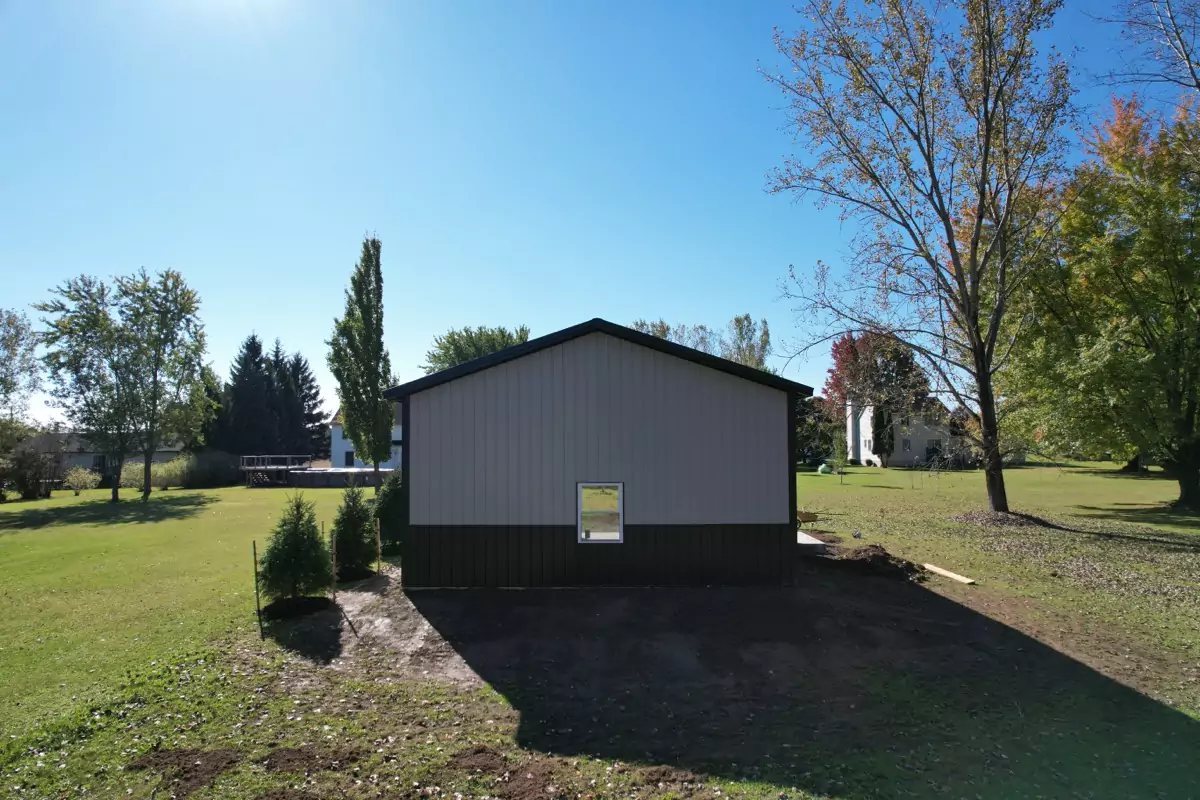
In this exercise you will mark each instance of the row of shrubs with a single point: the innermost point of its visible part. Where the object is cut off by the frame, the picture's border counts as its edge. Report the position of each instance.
(193, 471)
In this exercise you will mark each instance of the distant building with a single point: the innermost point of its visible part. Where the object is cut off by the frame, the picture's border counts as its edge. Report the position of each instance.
(924, 435)
(341, 449)
(68, 450)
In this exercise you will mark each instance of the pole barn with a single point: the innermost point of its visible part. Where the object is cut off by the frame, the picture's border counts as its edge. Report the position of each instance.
(598, 455)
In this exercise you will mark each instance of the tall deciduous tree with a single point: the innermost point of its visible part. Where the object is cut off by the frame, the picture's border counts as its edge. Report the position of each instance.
(20, 371)
(160, 316)
(359, 361)
(460, 345)
(938, 131)
(1113, 358)
(743, 340)
(1162, 39)
(91, 361)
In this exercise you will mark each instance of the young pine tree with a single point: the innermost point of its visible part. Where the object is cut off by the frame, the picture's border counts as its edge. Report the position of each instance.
(354, 532)
(296, 561)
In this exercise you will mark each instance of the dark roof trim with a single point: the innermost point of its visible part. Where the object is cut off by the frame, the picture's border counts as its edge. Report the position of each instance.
(597, 325)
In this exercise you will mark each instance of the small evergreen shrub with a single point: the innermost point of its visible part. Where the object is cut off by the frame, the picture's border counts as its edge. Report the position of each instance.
(296, 561)
(78, 478)
(354, 532)
(390, 512)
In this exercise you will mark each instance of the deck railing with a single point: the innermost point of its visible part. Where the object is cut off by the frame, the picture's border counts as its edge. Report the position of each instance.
(275, 463)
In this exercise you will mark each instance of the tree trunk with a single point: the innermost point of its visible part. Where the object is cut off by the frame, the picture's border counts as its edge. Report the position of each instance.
(1188, 476)
(118, 464)
(376, 465)
(1134, 464)
(146, 476)
(993, 462)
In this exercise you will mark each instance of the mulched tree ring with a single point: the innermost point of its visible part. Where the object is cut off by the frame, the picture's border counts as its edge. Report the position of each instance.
(309, 759)
(292, 607)
(996, 519)
(187, 769)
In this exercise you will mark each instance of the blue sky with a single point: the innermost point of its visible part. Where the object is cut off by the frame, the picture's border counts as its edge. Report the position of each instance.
(534, 163)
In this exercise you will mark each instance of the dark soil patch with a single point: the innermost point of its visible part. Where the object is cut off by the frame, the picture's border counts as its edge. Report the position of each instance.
(309, 759)
(654, 776)
(828, 537)
(874, 560)
(996, 519)
(287, 794)
(186, 770)
(537, 780)
(291, 607)
(479, 758)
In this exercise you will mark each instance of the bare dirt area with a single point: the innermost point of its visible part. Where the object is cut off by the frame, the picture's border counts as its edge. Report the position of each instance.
(309, 759)
(848, 677)
(184, 771)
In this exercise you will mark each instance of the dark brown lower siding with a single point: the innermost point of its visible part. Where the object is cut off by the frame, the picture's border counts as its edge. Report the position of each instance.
(651, 555)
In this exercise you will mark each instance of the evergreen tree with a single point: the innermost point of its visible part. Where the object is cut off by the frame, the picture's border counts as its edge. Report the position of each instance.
(308, 393)
(252, 428)
(296, 562)
(360, 363)
(286, 406)
(354, 532)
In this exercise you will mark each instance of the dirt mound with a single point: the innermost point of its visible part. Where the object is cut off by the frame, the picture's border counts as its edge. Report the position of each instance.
(652, 776)
(479, 758)
(534, 781)
(996, 519)
(309, 759)
(874, 560)
(287, 794)
(186, 770)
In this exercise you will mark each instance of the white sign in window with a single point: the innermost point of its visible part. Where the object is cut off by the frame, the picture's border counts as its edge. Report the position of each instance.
(601, 512)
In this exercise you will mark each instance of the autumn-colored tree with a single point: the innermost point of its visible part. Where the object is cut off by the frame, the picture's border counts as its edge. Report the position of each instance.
(912, 118)
(1112, 360)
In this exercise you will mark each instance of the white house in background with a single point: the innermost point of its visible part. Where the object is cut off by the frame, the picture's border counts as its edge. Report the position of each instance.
(922, 436)
(341, 449)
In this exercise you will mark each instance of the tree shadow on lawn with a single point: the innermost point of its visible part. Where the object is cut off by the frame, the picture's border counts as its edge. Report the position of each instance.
(1138, 514)
(97, 512)
(847, 685)
(310, 627)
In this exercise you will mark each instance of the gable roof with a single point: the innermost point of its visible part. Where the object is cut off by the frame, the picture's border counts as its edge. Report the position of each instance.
(597, 325)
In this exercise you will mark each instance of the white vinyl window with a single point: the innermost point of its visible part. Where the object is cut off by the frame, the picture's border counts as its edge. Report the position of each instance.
(601, 509)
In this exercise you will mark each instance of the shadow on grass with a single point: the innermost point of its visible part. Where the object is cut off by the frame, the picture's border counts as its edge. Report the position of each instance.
(160, 507)
(1159, 514)
(844, 685)
(307, 626)
(878, 486)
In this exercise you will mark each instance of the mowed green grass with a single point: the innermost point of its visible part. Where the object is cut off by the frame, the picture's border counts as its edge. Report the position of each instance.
(90, 590)
(1118, 554)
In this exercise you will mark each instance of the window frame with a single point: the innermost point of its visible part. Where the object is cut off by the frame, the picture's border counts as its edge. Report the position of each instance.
(579, 487)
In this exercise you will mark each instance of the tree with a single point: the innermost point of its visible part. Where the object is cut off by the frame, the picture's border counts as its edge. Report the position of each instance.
(160, 317)
(816, 430)
(743, 340)
(286, 406)
(1162, 35)
(1112, 358)
(252, 427)
(391, 512)
(354, 533)
(295, 562)
(938, 131)
(20, 372)
(460, 345)
(91, 361)
(876, 371)
(313, 421)
(359, 361)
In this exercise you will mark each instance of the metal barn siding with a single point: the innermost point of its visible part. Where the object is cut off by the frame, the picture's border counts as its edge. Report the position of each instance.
(505, 447)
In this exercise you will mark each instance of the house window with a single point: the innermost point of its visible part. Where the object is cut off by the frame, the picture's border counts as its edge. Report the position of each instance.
(906, 445)
(933, 448)
(601, 512)
(867, 446)
(349, 458)
(905, 422)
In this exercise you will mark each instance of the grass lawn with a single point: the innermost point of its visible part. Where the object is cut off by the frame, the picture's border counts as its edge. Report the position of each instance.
(91, 590)
(129, 662)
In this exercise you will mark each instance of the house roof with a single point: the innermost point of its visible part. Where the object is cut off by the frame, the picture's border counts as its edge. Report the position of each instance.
(597, 325)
